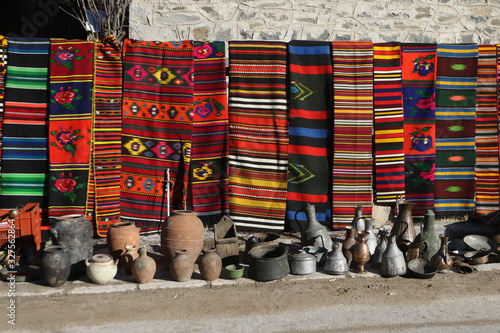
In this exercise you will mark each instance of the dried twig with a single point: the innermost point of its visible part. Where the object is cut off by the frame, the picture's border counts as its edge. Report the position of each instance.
(107, 16)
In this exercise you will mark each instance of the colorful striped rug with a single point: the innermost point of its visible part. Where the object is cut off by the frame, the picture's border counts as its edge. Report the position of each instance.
(258, 136)
(310, 132)
(70, 137)
(352, 130)
(388, 123)
(106, 143)
(456, 84)
(487, 170)
(209, 154)
(3, 67)
(156, 128)
(419, 75)
(24, 154)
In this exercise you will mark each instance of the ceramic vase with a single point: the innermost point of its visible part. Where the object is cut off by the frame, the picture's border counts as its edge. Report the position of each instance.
(361, 252)
(181, 266)
(127, 259)
(182, 230)
(210, 265)
(55, 266)
(101, 268)
(393, 260)
(121, 234)
(430, 238)
(348, 244)
(376, 259)
(442, 258)
(144, 267)
(336, 262)
(75, 233)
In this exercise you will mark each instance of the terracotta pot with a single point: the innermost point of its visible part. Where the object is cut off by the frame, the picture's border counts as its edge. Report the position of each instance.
(182, 230)
(121, 234)
(144, 267)
(74, 232)
(127, 259)
(181, 266)
(101, 268)
(210, 265)
(55, 266)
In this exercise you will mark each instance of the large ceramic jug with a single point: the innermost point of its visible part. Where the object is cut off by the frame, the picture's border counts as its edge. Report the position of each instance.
(182, 230)
(316, 234)
(74, 232)
(121, 234)
(55, 266)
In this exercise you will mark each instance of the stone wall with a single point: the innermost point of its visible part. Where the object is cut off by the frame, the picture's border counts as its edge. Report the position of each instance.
(441, 21)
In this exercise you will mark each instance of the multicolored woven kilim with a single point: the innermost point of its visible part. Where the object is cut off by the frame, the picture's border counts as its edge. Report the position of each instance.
(24, 154)
(156, 128)
(209, 154)
(388, 123)
(258, 135)
(106, 148)
(487, 170)
(70, 137)
(3, 67)
(352, 131)
(419, 75)
(310, 133)
(456, 84)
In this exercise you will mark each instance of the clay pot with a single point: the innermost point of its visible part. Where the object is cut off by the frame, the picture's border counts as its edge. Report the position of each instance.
(74, 232)
(182, 230)
(101, 268)
(144, 267)
(55, 266)
(127, 259)
(121, 234)
(210, 265)
(181, 266)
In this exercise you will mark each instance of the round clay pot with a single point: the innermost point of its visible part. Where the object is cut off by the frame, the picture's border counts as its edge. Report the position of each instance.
(181, 266)
(144, 267)
(55, 266)
(101, 268)
(182, 230)
(121, 234)
(127, 259)
(210, 265)
(75, 233)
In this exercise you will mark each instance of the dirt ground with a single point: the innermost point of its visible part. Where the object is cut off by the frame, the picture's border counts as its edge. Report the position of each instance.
(295, 301)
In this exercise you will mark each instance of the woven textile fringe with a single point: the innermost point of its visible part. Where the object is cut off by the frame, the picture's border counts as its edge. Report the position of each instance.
(352, 132)
(456, 84)
(419, 75)
(487, 170)
(157, 129)
(388, 123)
(310, 132)
(258, 135)
(71, 75)
(106, 143)
(209, 154)
(24, 154)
